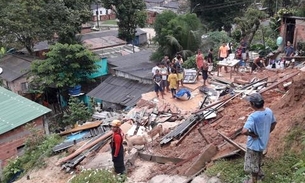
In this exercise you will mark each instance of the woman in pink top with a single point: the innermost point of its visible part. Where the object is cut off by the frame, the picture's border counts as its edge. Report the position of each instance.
(199, 62)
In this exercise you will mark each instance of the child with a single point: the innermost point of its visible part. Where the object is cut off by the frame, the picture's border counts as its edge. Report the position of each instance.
(205, 66)
(157, 79)
(173, 82)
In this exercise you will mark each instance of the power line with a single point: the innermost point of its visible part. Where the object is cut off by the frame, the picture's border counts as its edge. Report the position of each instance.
(222, 6)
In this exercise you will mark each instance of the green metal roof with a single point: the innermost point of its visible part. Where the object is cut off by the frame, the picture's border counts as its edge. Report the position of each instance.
(16, 110)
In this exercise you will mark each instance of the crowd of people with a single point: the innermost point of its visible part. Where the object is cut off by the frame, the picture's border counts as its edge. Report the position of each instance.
(168, 75)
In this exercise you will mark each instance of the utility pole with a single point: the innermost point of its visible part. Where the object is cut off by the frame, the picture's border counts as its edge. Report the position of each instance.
(97, 14)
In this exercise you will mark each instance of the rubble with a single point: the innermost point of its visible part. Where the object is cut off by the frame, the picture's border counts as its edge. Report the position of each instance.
(193, 127)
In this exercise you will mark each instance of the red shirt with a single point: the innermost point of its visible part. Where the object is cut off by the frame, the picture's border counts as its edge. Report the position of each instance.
(199, 61)
(117, 139)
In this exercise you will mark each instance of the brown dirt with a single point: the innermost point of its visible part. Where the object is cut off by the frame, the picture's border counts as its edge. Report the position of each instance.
(235, 114)
(50, 174)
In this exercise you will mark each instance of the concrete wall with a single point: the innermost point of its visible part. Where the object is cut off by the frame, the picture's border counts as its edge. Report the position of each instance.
(10, 141)
(15, 86)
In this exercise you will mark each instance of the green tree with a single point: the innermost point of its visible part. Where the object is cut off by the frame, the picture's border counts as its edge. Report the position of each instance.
(131, 14)
(31, 21)
(177, 33)
(65, 66)
(219, 14)
(249, 23)
(77, 112)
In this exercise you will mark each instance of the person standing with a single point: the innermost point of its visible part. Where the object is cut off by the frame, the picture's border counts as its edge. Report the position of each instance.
(289, 53)
(210, 60)
(204, 70)
(117, 149)
(244, 46)
(157, 67)
(258, 127)
(223, 53)
(173, 82)
(164, 73)
(199, 62)
(158, 79)
(179, 69)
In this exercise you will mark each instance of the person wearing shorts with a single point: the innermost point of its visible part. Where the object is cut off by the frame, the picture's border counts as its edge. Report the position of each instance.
(173, 82)
(158, 79)
(258, 127)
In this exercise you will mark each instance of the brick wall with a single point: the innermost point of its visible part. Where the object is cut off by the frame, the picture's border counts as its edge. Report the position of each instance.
(10, 141)
(299, 32)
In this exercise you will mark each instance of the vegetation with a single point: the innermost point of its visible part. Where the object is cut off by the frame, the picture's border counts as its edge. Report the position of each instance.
(97, 176)
(249, 23)
(177, 33)
(37, 148)
(28, 22)
(218, 14)
(65, 66)
(131, 14)
(77, 112)
(290, 167)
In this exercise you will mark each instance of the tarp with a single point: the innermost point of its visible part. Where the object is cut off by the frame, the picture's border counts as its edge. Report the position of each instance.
(182, 93)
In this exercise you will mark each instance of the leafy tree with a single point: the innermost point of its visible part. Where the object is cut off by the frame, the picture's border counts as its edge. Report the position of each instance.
(219, 14)
(77, 112)
(31, 21)
(249, 23)
(131, 14)
(65, 66)
(177, 33)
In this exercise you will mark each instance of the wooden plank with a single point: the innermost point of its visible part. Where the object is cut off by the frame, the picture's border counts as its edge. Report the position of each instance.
(203, 136)
(232, 142)
(279, 82)
(124, 127)
(182, 162)
(159, 159)
(206, 156)
(82, 127)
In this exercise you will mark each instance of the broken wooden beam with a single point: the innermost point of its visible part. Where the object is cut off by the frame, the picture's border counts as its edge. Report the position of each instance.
(204, 137)
(208, 152)
(159, 159)
(279, 82)
(232, 142)
(181, 162)
(186, 133)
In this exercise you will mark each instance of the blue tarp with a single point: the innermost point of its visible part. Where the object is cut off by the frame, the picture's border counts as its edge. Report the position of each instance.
(182, 92)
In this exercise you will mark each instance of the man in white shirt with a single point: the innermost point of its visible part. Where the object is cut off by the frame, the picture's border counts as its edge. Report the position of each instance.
(153, 71)
(164, 73)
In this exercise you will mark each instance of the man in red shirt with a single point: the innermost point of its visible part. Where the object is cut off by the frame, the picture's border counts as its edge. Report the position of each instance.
(117, 149)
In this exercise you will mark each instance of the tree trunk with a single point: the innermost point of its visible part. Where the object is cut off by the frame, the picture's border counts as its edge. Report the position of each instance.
(252, 33)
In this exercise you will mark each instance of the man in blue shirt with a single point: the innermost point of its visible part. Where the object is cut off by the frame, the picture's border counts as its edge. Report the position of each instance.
(258, 127)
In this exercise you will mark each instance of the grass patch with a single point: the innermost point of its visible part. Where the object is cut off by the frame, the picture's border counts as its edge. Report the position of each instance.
(280, 170)
(112, 22)
(37, 148)
(98, 176)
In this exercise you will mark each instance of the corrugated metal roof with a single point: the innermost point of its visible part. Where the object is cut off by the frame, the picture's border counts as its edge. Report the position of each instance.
(15, 66)
(131, 60)
(16, 110)
(141, 70)
(121, 91)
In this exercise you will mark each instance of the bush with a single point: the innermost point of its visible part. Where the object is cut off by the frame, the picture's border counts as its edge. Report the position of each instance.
(36, 149)
(98, 176)
(190, 62)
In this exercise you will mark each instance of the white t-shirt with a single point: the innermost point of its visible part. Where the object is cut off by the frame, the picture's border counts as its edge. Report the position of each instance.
(163, 71)
(153, 71)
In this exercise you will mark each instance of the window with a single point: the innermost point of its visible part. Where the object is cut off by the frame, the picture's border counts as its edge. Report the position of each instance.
(20, 150)
(25, 86)
(107, 12)
(101, 12)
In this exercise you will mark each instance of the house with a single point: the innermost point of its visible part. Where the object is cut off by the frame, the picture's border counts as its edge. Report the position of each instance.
(131, 77)
(16, 112)
(15, 68)
(134, 66)
(99, 13)
(293, 29)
